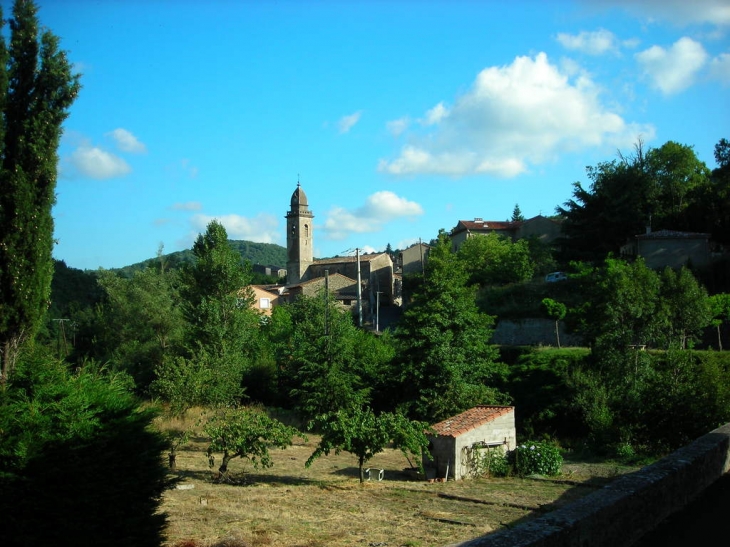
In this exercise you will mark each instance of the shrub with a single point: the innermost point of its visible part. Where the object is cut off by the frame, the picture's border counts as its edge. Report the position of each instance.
(536, 458)
(488, 462)
(79, 461)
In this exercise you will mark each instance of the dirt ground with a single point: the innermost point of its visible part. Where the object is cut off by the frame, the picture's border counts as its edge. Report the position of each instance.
(325, 505)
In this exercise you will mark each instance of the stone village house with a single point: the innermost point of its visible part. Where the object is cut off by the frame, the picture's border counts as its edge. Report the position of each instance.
(459, 442)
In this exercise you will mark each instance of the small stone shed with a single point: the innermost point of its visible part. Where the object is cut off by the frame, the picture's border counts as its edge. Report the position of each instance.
(461, 440)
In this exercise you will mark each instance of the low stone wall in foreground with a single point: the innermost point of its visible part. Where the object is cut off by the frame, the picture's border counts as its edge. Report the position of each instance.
(622, 512)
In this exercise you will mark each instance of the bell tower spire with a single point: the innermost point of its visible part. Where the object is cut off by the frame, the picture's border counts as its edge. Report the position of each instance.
(299, 237)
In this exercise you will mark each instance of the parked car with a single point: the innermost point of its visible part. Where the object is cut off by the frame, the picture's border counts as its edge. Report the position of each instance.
(555, 276)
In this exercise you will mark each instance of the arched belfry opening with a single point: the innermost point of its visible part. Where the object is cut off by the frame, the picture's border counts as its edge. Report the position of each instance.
(299, 237)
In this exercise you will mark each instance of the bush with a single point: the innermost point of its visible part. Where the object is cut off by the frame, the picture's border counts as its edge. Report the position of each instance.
(79, 461)
(536, 458)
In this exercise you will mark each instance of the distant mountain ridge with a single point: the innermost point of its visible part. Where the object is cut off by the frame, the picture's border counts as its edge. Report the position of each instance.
(267, 254)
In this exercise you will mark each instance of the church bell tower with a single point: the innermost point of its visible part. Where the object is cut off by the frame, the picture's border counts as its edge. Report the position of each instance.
(298, 238)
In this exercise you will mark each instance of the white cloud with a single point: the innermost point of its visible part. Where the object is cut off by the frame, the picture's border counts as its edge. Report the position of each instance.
(379, 209)
(93, 162)
(405, 243)
(513, 116)
(260, 229)
(592, 43)
(126, 142)
(396, 127)
(368, 250)
(347, 122)
(436, 114)
(720, 68)
(187, 206)
(681, 12)
(674, 69)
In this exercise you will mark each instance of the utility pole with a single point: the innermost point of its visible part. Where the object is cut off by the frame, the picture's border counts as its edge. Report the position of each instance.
(359, 290)
(326, 313)
(377, 311)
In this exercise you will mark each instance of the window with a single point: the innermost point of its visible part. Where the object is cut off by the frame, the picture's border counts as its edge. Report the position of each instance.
(264, 303)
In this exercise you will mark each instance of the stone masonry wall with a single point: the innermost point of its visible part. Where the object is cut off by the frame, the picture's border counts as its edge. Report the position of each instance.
(622, 512)
(532, 332)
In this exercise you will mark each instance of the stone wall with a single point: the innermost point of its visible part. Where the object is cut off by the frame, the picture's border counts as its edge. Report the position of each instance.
(621, 513)
(532, 332)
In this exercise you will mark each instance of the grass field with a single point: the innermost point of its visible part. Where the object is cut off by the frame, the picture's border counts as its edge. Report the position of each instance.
(326, 506)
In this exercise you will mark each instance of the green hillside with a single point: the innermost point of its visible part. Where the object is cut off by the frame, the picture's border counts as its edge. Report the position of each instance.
(267, 254)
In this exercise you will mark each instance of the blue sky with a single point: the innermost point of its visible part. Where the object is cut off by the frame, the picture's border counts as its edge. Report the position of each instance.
(399, 118)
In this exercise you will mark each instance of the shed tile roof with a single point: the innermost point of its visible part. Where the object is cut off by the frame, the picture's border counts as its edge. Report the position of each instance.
(470, 419)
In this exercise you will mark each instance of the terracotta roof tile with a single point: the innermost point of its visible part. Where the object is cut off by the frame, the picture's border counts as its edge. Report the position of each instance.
(470, 419)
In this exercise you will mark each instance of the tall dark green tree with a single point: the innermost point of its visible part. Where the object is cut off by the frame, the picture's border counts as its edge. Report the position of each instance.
(517, 215)
(445, 361)
(320, 356)
(222, 331)
(37, 87)
(655, 187)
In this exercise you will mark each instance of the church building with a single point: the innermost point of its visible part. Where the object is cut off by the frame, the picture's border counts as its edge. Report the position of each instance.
(376, 270)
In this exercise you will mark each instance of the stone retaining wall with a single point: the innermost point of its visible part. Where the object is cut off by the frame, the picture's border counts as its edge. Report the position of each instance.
(532, 332)
(620, 513)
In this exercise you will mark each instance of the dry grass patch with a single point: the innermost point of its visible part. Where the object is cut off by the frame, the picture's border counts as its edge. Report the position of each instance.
(326, 506)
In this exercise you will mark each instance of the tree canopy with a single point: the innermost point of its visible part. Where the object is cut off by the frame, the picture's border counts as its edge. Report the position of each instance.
(653, 188)
(37, 88)
(364, 434)
(445, 363)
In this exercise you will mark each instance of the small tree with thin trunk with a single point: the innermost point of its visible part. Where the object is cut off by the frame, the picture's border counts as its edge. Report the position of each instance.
(364, 434)
(246, 433)
(720, 309)
(556, 311)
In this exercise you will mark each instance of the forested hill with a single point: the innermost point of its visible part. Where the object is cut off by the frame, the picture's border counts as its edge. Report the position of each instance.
(268, 254)
(74, 289)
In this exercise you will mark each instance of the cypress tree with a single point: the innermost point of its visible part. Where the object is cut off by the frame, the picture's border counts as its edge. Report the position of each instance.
(37, 88)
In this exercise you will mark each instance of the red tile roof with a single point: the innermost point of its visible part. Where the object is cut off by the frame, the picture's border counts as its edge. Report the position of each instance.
(470, 419)
(485, 225)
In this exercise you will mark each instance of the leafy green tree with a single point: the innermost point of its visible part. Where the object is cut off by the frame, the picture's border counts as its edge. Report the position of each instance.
(140, 321)
(246, 433)
(364, 434)
(37, 88)
(444, 362)
(626, 308)
(80, 463)
(321, 364)
(646, 188)
(493, 259)
(199, 379)
(675, 172)
(687, 307)
(222, 327)
(556, 311)
(720, 311)
(708, 207)
(217, 298)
